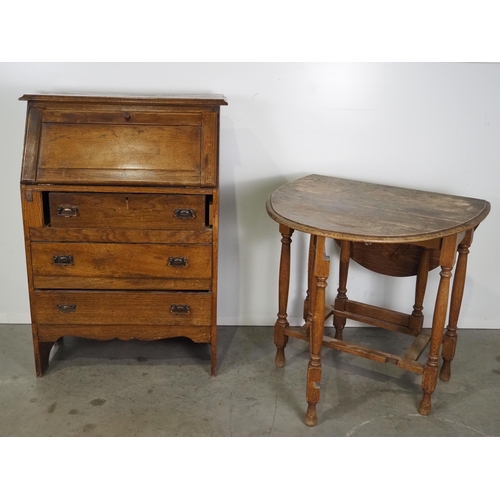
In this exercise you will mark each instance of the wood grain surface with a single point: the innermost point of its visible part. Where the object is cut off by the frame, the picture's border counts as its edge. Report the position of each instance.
(119, 265)
(362, 211)
(115, 308)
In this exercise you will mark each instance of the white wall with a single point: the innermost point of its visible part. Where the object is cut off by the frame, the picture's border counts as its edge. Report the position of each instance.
(424, 126)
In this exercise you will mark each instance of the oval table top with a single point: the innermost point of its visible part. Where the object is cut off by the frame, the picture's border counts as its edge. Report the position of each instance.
(361, 211)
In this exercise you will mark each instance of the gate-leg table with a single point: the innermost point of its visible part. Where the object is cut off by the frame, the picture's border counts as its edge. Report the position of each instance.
(389, 230)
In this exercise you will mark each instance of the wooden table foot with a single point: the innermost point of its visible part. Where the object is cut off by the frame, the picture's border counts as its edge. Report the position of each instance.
(338, 334)
(311, 418)
(429, 381)
(445, 372)
(425, 404)
(280, 357)
(313, 388)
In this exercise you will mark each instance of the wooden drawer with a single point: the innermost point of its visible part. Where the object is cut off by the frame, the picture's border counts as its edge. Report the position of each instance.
(121, 266)
(116, 308)
(123, 210)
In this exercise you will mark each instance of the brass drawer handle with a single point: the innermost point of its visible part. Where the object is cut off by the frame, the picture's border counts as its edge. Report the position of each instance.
(179, 309)
(66, 308)
(178, 261)
(63, 260)
(184, 213)
(67, 211)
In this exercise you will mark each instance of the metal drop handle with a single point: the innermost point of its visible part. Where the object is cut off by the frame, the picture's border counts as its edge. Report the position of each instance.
(63, 260)
(67, 211)
(184, 213)
(66, 308)
(178, 261)
(179, 309)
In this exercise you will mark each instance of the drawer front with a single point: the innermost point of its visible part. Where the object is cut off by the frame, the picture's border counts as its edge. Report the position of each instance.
(115, 308)
(131, 211)
(122, 152)
(121, 266)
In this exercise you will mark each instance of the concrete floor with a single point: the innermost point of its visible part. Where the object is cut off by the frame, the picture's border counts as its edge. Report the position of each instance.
(164, 388)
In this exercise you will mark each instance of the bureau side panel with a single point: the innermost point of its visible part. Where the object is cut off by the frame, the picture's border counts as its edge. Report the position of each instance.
(209, 149)
(31, 146)
(32, 210)
(214, 216)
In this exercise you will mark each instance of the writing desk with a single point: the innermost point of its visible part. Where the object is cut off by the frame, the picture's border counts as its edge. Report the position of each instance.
(389, 230)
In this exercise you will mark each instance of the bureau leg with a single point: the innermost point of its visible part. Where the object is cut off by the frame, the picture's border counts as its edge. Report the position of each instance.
(450, 337)
(213, 355)
(280, 337)
(429, 377)
(345, 256)
(42, 353)
(321, 273)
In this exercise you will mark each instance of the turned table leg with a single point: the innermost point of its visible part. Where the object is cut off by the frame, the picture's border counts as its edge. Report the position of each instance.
(310, 284)
(429, 377)
(450, 337)
(321, 273)
(417, 318)
(280, 338)
(345, 256)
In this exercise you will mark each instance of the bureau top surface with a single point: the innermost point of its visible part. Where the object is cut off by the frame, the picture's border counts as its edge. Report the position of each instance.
(154, 140)
(117, 98)
(362, 211)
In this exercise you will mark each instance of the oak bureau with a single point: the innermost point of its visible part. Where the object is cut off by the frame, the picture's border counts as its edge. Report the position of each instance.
(120, 205)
